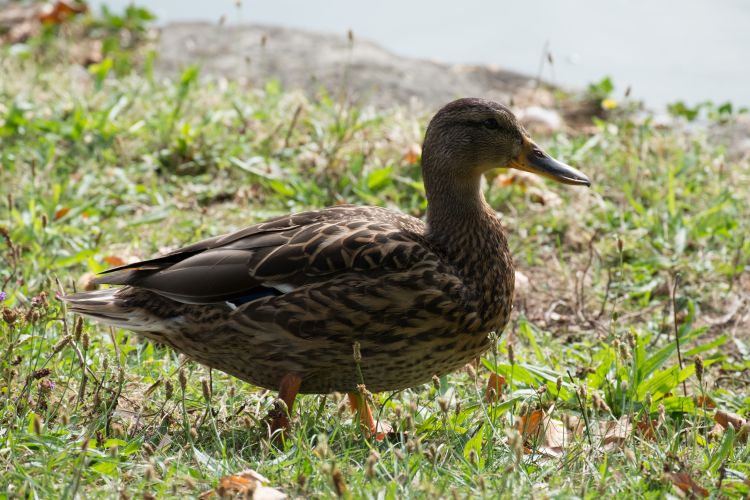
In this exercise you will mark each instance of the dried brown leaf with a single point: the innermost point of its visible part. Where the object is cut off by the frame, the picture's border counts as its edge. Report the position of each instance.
(687, 484)
(550, 436)
(247, 483)
(114, 260)
(647, 426)
(59, 11)
(494, 388)
(575, 424)
(726, 419)
(703, 401)
(616, 432)
(384, 430)
(62, 212)
(556, 437)
(716, 432)
(529, 425)
(505, 180)
(411, 157)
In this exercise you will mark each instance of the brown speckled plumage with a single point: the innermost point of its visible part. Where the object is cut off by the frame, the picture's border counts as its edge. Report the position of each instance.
(293, 294)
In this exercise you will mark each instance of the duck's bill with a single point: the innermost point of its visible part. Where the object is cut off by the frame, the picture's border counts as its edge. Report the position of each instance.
(535, 160)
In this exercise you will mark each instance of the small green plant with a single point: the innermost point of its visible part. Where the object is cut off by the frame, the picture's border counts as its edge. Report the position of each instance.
(602, 89)
(708, 109)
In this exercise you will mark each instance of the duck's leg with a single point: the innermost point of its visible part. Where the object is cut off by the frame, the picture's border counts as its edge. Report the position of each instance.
(364, 413)
(288, 389)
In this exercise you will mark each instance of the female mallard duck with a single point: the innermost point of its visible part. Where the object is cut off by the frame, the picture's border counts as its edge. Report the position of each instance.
(281, 304)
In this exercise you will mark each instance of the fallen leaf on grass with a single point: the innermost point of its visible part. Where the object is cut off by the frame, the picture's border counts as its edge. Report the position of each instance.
(505, 180)
(20, 22)
(647, 427)
(741, 425)
(59, 11)
(610, 434)
(62, 212)
(544, 434)
(686, 483)
(411, 157)
(716, 432)
(615, 433)
(702, 401)
(726, 419)
(247, 484)
(556, 438)
(384, 431)
(574, 424)
(495, 385)
(114, 260)
(528, 425)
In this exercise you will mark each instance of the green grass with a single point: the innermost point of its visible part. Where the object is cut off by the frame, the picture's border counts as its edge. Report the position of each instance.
(110, 165)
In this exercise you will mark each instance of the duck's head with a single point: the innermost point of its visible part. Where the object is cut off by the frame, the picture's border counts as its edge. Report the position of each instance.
(469, 136)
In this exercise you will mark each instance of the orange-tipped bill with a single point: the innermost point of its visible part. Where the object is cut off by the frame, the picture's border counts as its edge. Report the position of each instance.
(535, 160)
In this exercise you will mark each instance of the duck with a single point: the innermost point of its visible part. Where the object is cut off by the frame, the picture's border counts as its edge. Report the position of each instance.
(345, 297)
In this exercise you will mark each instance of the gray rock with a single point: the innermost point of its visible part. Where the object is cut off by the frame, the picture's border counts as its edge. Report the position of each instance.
(539, 118)
(735, 135)
(363, 70)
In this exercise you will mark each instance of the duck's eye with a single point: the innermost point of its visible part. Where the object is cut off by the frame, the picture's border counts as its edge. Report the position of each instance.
(491, 124)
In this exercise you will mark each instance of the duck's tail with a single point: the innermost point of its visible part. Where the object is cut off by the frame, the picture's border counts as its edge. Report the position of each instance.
(111, 307)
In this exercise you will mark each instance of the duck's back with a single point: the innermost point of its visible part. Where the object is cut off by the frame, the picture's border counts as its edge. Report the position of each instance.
(295, 293)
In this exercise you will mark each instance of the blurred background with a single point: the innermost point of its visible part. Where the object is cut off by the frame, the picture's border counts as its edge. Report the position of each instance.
(667, 51)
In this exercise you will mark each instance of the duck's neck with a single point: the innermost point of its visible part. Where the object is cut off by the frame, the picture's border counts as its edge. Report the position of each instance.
(457, 211)
(464, 229)
(448, 196)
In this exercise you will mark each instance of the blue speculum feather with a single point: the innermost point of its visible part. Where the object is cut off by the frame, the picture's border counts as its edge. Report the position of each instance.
(255, 294)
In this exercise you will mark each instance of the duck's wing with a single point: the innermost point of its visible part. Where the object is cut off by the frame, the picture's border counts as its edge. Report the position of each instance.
(280, 255)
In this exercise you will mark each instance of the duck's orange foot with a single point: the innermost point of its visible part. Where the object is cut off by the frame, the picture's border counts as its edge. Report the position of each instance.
(370, 428)
(279, 415)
